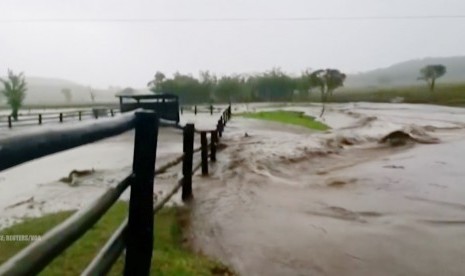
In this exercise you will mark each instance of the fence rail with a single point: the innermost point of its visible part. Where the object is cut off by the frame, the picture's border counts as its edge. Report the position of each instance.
(39, 118)
(38, 255)
(23, 148)
(201, 109)
(32, 119)
(135, 234)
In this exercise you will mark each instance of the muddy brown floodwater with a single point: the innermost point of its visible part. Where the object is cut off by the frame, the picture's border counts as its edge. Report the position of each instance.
(283, 200)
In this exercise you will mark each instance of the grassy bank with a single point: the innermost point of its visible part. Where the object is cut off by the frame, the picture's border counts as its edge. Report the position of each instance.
(170, 256)
(288, 117)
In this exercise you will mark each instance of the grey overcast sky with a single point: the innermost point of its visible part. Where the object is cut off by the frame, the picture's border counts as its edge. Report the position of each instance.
(96, 52)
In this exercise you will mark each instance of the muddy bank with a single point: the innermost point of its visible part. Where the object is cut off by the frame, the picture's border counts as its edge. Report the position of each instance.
(292, 202)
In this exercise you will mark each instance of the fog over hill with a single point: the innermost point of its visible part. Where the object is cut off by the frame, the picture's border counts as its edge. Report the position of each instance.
(50, 90)
(406, 73)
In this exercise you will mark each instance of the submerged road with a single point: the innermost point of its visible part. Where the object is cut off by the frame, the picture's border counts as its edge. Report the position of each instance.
(34, 189)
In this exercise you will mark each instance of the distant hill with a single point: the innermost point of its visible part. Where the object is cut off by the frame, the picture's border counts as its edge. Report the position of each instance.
(406, 73)
(49, 91)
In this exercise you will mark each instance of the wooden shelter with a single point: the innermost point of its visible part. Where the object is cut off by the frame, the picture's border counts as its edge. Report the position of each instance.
(165, 105)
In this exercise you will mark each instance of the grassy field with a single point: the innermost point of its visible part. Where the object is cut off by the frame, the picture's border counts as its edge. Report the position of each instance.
(170, 256)
(288, 117)
(444, 94)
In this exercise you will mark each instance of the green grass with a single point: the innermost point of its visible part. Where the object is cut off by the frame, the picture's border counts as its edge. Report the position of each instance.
(444, 94)
(170, 257)
(287, 117)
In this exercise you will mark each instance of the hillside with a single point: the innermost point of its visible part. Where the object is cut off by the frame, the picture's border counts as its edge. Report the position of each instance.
(49, 91)
(406, 73)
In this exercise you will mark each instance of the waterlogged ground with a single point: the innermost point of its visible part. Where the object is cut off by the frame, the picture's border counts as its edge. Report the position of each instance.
(285, 200)
(288, 201)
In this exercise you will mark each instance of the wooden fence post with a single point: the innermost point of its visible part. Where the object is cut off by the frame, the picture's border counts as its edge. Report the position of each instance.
(219, 129)
(195, 109)
(40, 119)
(181, 110)
(188, 145)
(112, 113)
(139, 235)
(229, 112)
(9, 122)
(211, 109)
(61, 117)
(204, 152)
(214, 140)
(80, 115)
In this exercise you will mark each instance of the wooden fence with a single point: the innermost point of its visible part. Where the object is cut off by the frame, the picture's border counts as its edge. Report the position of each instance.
(200, 109)
(52, 117)
(79, 115)
(135, 234)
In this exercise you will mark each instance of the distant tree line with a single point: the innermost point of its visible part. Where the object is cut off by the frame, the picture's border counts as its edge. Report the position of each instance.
(270, 86)
(274, 85)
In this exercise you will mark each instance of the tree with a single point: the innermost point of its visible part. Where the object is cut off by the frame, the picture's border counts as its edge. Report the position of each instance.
(15, 88)
(431, 73)
(327, 80)
(231, 88)
(67, 94)
(189, 89)
(155, 84)
(92, 94)
(304, 84)
(273, 86)
(208, 82)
